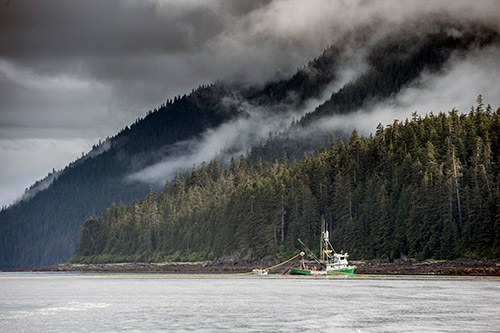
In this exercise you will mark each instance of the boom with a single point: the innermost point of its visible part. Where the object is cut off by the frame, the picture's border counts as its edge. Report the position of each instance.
(309, 252)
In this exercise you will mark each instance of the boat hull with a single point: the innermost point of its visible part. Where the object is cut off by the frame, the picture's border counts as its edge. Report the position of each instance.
(298, 271)
(346, 270)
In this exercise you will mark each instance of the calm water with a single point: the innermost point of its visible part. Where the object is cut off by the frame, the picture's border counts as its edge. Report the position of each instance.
(68, 302)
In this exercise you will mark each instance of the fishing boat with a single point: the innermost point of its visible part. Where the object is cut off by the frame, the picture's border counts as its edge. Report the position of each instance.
(329, 263)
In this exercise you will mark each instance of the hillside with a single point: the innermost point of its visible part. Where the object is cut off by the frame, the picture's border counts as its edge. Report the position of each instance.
(44, 228)
(424, 188)
(393, 64)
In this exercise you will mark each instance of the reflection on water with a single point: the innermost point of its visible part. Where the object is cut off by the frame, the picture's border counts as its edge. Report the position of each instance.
(160, 302)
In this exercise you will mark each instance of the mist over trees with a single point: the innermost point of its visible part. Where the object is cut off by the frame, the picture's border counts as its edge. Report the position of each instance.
(428, 187)
(45, 228)
(392, 65)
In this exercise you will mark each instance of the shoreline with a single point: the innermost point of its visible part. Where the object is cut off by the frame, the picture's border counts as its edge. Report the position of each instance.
(457, 267)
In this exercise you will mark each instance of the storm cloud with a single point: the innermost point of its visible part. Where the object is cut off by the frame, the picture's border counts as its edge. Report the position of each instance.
(73, 72)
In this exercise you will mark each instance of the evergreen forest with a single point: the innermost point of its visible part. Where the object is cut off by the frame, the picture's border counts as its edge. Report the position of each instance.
(428, 187)
(256, 206)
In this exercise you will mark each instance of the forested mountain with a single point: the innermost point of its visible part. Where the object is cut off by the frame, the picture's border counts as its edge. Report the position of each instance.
(392, 65)
(44, 228)
(425, 188)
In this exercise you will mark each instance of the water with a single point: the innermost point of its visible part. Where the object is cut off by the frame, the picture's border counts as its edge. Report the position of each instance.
(66, 302)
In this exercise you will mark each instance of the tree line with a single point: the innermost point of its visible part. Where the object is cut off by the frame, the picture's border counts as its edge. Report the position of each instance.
(428, 187)
(43, 228)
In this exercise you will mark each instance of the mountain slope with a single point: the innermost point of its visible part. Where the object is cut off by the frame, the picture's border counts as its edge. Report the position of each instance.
(393, 195)
(44, 228)
(393, 64)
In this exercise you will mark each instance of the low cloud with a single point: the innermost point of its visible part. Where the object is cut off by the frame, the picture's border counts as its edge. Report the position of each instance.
(24, 160)
(232, 138)
(131, 56)
(236, 137)
(81, 70)
(456, 86)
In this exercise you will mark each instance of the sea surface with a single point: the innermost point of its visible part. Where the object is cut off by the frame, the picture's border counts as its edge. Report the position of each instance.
(78, 302)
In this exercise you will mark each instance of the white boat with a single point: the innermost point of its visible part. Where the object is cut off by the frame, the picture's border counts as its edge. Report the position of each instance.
(260, 271)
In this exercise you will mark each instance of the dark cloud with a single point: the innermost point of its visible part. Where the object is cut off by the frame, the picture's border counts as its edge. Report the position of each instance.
(61, 28)
(135, 54)
(81, 70)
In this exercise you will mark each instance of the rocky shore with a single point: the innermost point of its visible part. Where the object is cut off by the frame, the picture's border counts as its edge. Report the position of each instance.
(456, 267)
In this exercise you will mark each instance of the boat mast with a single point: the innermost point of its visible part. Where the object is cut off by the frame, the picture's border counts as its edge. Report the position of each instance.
(325, 246)
(321, 247)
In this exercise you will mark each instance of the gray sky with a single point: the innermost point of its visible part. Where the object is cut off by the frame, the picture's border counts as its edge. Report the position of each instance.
(73, 72)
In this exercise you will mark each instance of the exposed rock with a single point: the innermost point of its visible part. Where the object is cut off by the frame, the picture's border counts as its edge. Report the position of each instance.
(232, 264)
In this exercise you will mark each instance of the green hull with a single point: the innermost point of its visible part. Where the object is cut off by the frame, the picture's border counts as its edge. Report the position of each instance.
(348, 270)
(296, 271)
